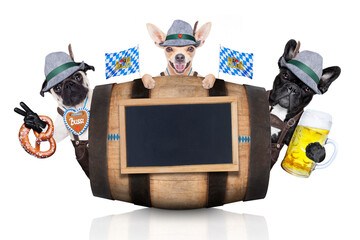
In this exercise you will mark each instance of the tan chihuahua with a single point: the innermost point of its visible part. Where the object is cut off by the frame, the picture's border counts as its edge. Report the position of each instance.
(179, 46)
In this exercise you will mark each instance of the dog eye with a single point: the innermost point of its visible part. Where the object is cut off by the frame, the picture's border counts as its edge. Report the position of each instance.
(190, 49)
(307, 89)
(57, 88)
(285, 75)
(78, 77)
(169, 49)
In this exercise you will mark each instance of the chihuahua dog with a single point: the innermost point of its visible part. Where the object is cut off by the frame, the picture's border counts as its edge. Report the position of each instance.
(290, 94)
(179, 45)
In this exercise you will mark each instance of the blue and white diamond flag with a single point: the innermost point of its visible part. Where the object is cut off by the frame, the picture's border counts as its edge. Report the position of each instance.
(122, 63)
(236, 63)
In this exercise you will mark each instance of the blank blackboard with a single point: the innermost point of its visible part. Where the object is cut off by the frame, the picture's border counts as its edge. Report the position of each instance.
(180, 137)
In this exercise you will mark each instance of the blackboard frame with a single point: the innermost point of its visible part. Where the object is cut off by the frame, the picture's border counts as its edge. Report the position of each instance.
(234, 166)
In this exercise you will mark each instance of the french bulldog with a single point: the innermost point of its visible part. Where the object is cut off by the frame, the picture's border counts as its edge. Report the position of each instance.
(290, 95)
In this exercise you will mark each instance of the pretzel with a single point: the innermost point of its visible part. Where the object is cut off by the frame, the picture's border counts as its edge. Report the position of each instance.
(40, 137)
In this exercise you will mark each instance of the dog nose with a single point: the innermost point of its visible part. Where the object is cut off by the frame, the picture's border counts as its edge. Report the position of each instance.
(180, 58)
(291, 89)
(69, 84)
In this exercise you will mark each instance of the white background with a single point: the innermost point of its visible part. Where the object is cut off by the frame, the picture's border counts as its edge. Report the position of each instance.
(52, 199)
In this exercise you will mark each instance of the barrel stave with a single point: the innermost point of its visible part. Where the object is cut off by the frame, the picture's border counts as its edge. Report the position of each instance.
(118, 183)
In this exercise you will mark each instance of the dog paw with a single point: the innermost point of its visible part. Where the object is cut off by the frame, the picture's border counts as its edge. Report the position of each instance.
(148, 81)
(315, 152)
(208, 81)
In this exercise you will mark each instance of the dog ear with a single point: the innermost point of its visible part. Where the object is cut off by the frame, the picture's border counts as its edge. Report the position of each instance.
(42, 87)
(88, 67)
(203, 33)
(156, 34)
(289, 51)
(329, 75)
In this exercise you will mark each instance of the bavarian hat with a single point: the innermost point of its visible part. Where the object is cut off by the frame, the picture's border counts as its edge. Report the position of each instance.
(58, 67)
(307, 66)
(180, 34)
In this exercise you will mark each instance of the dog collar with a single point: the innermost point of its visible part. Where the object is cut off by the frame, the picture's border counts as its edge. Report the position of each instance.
(180, 36)
(190, 72)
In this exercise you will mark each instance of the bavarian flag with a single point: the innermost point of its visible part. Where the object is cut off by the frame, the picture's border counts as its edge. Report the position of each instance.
(122, 63)
(236, 63)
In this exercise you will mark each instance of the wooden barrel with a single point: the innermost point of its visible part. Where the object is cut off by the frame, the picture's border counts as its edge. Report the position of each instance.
(180, 190)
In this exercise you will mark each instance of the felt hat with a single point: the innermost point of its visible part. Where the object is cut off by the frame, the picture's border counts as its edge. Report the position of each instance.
(58, 67)
(180, 34)
(307, 66)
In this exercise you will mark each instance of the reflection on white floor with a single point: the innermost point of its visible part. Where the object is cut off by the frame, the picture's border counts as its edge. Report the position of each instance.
(150, 223)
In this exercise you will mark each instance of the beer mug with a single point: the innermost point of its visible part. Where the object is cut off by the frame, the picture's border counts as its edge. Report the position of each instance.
(314, 126)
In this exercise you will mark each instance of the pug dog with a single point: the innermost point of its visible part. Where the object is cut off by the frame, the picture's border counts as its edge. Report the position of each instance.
(68, 83)
(301, 76)
(72, 93)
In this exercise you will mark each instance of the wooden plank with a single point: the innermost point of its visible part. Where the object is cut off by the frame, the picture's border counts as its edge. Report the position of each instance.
(178, 101)
(237, 181)
(259, 162)
(180, 194)
(98, 167)
(119, 184)
(182, 169)
(123, 156)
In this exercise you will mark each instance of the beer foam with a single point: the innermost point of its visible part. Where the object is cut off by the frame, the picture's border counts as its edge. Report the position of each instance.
(316, 119)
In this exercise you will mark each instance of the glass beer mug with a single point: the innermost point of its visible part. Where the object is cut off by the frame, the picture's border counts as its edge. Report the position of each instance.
(314, 126)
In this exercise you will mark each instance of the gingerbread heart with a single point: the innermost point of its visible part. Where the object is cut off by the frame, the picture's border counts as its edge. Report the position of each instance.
(77, 121)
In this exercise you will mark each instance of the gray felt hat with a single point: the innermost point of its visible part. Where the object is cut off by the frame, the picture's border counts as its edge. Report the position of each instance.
(180, 34)
(307, 66)
(58, 67)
